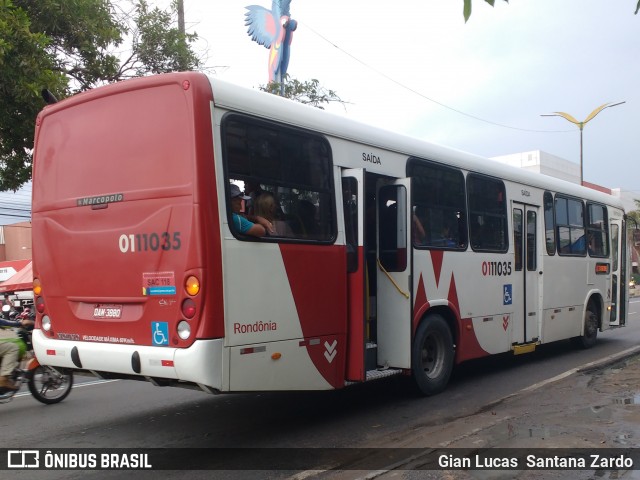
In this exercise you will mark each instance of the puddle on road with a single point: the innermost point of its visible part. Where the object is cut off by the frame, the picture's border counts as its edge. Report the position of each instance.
(630, 400)
(556, 428)
(617, 379)
(509, 432)
(604, 415)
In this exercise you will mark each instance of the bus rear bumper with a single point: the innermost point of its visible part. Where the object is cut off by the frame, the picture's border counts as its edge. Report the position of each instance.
(201, 363)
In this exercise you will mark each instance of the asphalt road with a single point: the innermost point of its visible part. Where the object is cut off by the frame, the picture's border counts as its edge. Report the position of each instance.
(138, 415)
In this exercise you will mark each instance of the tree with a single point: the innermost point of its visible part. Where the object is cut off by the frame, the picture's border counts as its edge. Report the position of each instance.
(25, 68)
(635, 216)
(309, 92)
(70, 46)
(157, 46)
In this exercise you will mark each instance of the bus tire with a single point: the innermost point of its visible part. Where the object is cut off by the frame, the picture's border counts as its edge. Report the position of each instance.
(590, 335)
(432, 355)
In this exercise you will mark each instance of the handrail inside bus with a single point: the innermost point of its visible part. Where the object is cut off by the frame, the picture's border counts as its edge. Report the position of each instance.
(406, 295)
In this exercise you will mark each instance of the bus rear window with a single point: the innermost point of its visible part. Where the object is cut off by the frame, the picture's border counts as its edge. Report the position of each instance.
(137, 140)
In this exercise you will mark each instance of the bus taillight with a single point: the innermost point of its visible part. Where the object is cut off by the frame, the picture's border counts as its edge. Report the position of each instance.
(37, 287)
(188, 308)
(192, 285)
(40, 304)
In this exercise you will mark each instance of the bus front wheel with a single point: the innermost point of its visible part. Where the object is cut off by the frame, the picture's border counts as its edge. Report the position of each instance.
(590, 335)
(432, 355)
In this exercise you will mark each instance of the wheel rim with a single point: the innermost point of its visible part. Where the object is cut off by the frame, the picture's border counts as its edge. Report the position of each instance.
(590, 324)
(432, 356)
(51, 384)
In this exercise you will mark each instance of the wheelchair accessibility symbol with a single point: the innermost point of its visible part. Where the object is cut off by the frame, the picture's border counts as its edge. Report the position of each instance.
(507, 299)
(160, 333)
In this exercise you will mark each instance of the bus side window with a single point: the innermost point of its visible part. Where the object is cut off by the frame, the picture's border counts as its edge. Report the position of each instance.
(439, 206)
(391, 238)
(549, 224)
(598, 225)
(571, 238)
(488, 213)
(292, 165)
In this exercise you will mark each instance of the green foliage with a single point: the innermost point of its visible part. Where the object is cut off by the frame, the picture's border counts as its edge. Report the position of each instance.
(25, 68)
(80, 33)
(69, 46)
(160, 47)
(634, 215)
(309, 92)
(467, 8)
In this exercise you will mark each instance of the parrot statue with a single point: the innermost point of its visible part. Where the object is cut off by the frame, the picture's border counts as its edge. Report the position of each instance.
(274, 30)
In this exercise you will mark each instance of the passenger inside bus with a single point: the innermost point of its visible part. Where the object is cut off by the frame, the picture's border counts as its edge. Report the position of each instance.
(255, 226)
(445, 239)
(252, 189)
(266, 206)
(309, 224)
(419, 221)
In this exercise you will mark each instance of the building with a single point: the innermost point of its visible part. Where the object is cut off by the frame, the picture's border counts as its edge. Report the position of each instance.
(545, 163)
(548, 164)
(15, 241)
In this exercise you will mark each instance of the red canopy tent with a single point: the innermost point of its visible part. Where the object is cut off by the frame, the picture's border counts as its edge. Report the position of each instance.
(22, 280)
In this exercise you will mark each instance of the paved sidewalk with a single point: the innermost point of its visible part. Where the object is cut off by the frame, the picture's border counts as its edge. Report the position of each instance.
(594, 407)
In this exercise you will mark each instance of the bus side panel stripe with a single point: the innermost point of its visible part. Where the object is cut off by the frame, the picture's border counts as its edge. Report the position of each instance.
(318, 281)
(436, 259)
(467, 345)
(420, 305)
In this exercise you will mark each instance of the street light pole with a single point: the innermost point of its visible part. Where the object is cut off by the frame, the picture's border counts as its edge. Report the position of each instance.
(581, 125)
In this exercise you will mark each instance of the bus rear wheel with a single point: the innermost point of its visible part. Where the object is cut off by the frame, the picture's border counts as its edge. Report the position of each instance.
(590, 335)
(432, 355)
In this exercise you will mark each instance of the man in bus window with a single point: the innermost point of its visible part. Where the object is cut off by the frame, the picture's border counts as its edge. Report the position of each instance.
(255, 226)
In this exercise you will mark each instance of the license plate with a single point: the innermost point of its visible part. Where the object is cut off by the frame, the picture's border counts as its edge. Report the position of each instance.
(107, 311)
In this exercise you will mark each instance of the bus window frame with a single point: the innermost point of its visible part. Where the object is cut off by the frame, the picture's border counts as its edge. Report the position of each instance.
(413, 166)
(550, 244)
(569, 226)
(604, 231)
(229, 177)
(504, 215)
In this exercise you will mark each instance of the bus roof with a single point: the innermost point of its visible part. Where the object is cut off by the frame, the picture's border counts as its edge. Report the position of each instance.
(240, 99)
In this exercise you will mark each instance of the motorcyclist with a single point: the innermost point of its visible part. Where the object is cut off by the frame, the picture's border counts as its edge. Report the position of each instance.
(11, 349)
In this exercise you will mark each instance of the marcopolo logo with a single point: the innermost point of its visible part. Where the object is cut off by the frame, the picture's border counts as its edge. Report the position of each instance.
(100, 199)
(23, 459)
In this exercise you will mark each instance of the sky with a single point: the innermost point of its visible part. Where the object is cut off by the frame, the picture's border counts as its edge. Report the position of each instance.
(415, 67)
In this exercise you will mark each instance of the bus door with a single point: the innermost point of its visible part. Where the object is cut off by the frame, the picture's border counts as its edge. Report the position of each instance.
(357, 286)
(394, 274)
(525, 296)
(619, 273)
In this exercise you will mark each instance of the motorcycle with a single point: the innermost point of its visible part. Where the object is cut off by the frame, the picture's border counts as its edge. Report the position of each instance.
(9, 313)
(47, 384)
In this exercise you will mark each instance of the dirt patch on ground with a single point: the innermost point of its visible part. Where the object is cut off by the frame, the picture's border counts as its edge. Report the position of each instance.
(594, 408)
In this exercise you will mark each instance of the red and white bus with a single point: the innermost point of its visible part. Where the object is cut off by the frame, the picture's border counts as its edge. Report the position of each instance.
(396, 256)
